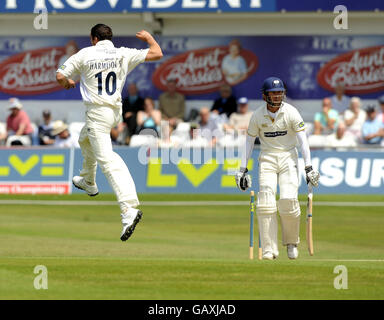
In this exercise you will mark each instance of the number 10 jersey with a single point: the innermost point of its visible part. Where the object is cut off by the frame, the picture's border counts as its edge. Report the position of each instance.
(103, 69)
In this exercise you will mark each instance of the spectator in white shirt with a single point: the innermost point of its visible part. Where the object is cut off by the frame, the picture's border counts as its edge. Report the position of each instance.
(354, 118)
(63, 137)
(340, 138)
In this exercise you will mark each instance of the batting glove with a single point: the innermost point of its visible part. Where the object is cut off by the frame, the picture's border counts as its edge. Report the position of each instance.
(312, 176)
(243, 180)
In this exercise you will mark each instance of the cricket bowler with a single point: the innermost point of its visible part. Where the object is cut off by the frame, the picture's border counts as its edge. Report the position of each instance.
(103, 69)
(280, 128)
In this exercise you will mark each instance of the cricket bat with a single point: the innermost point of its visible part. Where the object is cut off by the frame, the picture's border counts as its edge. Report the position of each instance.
(309, 219)
(251, 241)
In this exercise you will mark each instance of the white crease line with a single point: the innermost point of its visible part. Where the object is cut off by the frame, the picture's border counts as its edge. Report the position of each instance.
(180, 203)
(346, 260)
(174, 259)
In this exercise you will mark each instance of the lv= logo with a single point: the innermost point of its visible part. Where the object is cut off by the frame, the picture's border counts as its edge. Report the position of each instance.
(23, 167)
(49, 166)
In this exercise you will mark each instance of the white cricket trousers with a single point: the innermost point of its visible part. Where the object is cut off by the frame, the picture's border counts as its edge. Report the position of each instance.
(96, 148)
(278, 168)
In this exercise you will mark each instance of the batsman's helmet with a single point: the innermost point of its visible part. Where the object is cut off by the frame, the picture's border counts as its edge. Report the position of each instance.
(272, 84)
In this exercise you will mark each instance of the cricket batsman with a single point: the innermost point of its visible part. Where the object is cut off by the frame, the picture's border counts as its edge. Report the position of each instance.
(280, 128)
(103, 69)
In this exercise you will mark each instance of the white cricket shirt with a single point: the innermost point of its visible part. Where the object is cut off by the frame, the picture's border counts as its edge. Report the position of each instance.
(277, 134)
(103, 70)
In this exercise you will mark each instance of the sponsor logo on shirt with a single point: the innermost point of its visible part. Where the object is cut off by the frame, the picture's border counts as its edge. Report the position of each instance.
(301, 124)
(275, 134)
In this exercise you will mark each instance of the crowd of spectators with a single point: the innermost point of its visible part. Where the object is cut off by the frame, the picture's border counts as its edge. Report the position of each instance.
(20, 131)
(346, 122)
(342, 122)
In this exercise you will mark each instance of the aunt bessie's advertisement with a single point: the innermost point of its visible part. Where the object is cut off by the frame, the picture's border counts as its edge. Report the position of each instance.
(309, 65)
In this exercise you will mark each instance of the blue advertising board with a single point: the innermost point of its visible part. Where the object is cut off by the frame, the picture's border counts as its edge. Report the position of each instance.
(36, 171)
(183, 171)
(310, 66)
(131, 6)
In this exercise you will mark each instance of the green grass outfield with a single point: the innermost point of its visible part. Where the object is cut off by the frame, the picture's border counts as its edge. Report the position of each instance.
(184, 252)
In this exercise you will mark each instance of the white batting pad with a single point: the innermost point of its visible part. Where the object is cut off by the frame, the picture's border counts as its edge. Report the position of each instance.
(289, 210)
(266, 202)
(266, 215)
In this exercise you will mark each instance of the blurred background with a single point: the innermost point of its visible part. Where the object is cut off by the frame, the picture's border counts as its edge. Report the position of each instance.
(330, 55)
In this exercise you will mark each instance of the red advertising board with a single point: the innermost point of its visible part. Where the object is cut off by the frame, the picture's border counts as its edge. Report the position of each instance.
(362, 71)
(205, 70)
(34, 188)
(31, 72)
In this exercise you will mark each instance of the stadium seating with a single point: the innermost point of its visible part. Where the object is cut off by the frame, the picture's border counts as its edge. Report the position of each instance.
(143, 140)
(18, 140)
